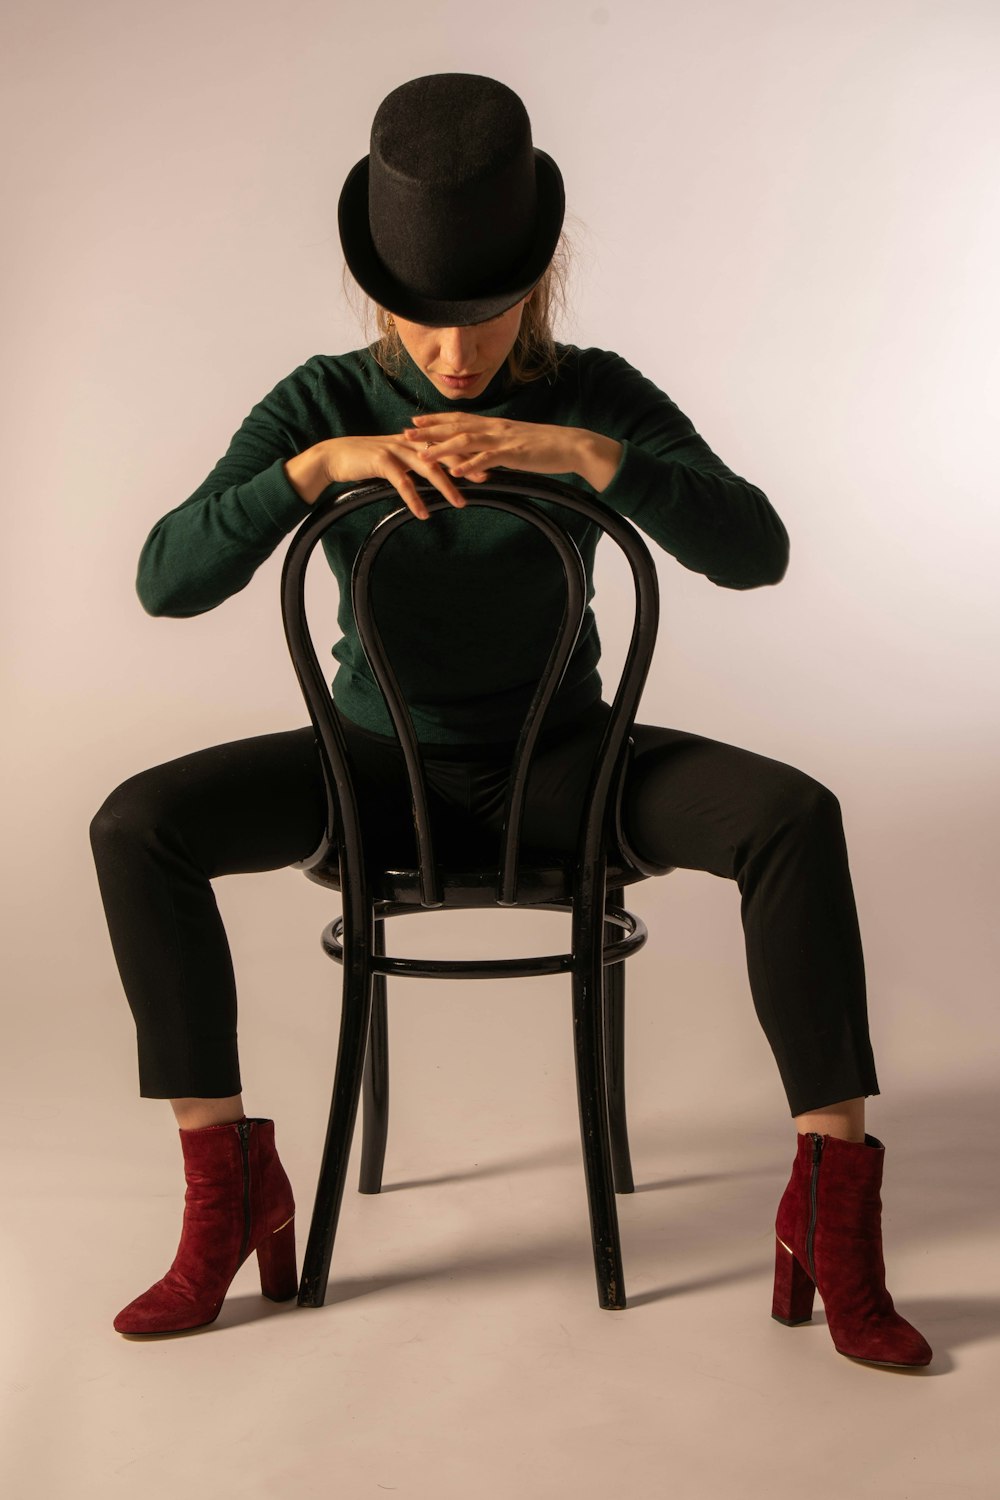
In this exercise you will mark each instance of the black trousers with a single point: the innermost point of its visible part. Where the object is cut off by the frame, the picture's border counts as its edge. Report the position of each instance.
(258, 804)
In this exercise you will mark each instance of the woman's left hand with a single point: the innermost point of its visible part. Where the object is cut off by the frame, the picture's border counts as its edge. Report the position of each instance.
(467, 444)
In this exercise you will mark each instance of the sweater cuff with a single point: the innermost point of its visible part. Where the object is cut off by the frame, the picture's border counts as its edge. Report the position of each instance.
(272, 502)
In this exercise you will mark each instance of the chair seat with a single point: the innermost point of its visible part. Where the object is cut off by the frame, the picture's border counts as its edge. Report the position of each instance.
(543, 877)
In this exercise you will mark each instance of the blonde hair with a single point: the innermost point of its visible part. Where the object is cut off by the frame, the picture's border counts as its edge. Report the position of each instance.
(533, 354)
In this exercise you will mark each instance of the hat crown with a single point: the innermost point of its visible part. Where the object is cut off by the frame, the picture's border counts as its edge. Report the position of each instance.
(451, 183)
(450, 128)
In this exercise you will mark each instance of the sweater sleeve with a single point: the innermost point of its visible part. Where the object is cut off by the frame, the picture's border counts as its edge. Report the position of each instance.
(210, 546)
(670, 483)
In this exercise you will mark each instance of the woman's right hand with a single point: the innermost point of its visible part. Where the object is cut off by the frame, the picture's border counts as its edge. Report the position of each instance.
(389, 457)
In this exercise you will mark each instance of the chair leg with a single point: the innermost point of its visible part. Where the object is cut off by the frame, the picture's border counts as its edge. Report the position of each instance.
(355, 1020)
(375, 1106)
(591, 1084)
(614, 1055)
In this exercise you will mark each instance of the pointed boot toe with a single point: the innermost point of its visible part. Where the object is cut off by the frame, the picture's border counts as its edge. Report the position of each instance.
(893, 1341)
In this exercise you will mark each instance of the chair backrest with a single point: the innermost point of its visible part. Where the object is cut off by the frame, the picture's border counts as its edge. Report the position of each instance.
(511, 491)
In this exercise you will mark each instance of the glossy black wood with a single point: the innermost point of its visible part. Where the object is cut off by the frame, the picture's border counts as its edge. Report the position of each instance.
(589, 886)
(375, 1111)
(615, 951)
(614, 1052)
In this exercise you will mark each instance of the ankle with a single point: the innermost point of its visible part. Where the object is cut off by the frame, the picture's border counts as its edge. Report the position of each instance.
(195, 1113)
(856, 1140)
(845, 1120)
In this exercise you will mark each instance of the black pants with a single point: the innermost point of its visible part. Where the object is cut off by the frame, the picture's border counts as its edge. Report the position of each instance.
(258, 804)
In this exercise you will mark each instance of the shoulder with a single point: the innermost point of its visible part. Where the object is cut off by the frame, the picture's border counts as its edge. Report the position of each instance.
(617, 398)
(337, 374)
(604, 374)
(582, 369)
(323, 390)
(357, 367)
(354, 370)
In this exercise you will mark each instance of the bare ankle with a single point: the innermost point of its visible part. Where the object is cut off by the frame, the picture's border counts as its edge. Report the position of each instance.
(194, 1113)
(845, 1120)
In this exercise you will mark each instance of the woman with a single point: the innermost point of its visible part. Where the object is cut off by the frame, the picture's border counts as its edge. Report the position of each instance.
(453, 230)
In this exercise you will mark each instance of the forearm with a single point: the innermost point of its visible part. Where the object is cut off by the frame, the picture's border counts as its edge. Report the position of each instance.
(712, 522)
(209, 548)
(671, 484)
(721, 530)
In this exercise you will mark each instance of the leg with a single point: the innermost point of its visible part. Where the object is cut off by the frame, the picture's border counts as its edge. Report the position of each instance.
(702, 804)
(158, 841)
(375, 1110)
(614, 1053)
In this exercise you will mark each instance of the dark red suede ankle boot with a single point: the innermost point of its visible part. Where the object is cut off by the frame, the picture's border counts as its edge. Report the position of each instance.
(238, 1200)
(829, 1238)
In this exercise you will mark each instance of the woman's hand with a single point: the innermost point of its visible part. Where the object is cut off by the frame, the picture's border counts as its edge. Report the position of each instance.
(388, 457)
(468, 443)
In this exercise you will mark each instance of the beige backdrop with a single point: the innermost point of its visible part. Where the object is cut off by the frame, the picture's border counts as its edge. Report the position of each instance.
(785, 215)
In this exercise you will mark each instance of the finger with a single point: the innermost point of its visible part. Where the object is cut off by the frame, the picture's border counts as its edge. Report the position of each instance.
(452, 454)
(437, 477)
(435, 437)
(438, 418)
(460, 424)
(408, 493)
(475, 462)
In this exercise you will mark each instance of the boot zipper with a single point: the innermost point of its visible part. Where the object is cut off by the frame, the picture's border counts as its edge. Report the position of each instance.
(243, 1126)
(817, 1141)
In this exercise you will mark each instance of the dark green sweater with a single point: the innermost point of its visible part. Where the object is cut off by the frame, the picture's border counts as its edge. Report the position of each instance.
(469, 601)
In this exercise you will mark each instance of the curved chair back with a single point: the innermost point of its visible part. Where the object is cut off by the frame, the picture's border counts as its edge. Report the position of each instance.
(514, 492)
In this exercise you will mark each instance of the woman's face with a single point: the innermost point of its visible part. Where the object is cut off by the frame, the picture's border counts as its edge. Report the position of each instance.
(478, 350)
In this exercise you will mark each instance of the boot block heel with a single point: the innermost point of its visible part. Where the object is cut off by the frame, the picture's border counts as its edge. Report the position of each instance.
(794, 1289)
(276, 1263)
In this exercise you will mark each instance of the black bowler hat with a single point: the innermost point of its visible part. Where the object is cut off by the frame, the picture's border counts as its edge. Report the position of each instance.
(454, 215)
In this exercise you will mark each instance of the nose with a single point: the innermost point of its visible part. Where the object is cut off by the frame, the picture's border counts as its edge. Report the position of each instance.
(457, 351)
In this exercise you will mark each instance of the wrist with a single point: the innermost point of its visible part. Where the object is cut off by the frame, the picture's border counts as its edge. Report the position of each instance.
(308, 473)
(597, 458)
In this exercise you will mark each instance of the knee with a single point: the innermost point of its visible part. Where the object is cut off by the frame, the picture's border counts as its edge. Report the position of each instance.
(800, 801)
(126, 817)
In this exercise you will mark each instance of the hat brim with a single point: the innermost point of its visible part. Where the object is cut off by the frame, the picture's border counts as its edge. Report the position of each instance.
(371, 275)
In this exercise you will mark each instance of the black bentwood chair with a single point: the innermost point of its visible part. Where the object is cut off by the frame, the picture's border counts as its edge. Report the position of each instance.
(588, 885)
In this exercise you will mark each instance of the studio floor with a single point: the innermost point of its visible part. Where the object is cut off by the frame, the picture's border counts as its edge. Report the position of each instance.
(461, 1350)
